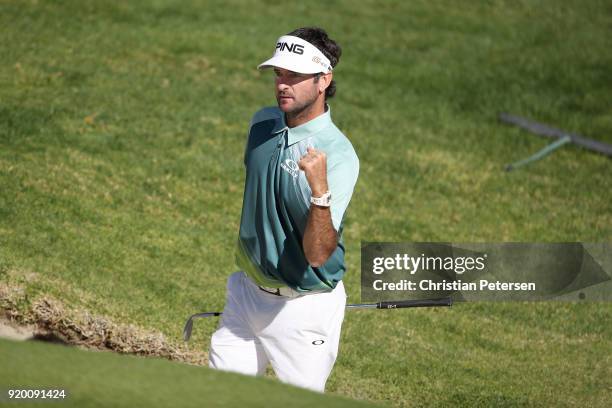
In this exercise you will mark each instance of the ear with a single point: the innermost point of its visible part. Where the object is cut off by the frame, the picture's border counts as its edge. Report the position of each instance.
(324, 81)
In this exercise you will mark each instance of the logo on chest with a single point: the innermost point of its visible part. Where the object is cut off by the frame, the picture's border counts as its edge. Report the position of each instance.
(291, 167)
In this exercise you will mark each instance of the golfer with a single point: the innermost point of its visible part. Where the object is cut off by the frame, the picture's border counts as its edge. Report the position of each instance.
(286, 305)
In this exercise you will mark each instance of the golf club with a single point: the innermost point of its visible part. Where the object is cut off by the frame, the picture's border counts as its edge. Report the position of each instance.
(389, 304)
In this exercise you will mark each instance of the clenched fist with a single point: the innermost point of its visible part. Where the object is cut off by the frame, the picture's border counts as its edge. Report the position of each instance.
(314, 165)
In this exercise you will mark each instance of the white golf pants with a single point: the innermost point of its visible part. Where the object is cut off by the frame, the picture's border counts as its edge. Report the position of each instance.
(299, 336)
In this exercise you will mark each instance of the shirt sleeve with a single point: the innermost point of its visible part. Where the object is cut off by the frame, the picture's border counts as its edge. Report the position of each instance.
(248, 136)
(342, 178)
(246, 147)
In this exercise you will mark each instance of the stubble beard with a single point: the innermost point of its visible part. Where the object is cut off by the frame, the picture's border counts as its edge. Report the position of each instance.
(299, 109)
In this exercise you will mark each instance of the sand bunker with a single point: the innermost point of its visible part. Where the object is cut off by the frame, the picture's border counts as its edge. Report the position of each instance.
(48, 319)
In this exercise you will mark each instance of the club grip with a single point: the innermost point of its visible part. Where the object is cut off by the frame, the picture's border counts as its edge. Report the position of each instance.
(390, 304)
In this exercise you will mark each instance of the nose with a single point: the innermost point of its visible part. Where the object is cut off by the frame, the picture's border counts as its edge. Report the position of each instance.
(281, 84)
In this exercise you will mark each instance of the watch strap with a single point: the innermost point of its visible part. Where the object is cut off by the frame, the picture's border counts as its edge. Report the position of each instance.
(323, 201)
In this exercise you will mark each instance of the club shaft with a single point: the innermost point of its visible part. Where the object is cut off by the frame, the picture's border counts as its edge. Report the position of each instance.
(391, 304)
(399, 304)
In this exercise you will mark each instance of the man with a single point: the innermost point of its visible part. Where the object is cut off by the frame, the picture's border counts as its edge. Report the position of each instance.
(286, 305)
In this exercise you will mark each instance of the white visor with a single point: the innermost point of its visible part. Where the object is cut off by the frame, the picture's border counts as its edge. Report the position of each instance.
(297, 55)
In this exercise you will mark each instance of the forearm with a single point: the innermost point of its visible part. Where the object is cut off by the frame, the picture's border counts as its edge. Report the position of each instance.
(320, 237)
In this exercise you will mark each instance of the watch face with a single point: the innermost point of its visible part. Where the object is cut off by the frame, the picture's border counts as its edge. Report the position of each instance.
(324, 200)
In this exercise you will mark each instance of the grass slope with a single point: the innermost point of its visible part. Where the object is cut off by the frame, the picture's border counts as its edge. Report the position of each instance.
(98, 379)
(122, 128)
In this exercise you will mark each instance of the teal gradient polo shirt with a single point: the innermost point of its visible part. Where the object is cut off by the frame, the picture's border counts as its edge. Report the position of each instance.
(277, 200)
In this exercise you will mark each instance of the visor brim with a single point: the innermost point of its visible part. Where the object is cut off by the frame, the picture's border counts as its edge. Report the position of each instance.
(291, 65)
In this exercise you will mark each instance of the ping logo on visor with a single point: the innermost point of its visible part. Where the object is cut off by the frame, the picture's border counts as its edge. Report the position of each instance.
(297, 55)
(297, 48)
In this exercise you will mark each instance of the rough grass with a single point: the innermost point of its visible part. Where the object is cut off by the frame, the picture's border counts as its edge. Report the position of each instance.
(121, 138)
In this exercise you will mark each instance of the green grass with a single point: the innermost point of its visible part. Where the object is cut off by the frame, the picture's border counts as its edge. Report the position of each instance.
(122, 128)
(98, 379)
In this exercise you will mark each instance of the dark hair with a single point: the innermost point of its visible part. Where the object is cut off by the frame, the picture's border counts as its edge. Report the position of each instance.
(319, 38)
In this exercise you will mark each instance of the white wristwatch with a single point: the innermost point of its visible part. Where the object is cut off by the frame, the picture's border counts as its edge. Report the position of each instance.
(323, 201)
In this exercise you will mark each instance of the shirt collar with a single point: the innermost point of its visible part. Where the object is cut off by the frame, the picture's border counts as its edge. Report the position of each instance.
(307, 129)
(279, 124)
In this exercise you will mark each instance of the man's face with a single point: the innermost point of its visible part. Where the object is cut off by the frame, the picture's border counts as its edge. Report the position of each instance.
(295, 91)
